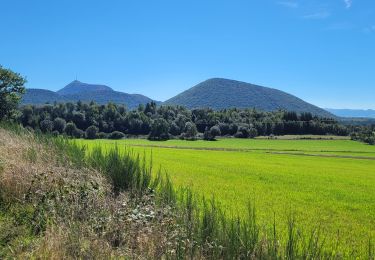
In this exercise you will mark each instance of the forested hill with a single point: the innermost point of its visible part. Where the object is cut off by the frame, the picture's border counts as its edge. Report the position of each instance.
(220, 93)
(84, 92)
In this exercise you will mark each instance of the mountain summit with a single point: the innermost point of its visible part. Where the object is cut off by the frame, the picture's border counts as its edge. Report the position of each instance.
(219, 93)
(76, 87)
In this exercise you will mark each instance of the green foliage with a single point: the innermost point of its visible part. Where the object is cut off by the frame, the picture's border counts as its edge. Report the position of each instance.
(102, 135)
(159, 122)
(364, 134)
(190, 132)
(59, 125)
(253, 132)
(159, 130)
(46, 126)
(70, 128)
(116, 135)
(11, 87)
(215, 131)
(91, 132)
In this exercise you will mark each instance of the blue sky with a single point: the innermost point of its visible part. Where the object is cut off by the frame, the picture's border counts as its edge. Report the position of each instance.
(321, 51)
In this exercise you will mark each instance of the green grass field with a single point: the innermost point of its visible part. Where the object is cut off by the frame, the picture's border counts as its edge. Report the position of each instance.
(336, 192)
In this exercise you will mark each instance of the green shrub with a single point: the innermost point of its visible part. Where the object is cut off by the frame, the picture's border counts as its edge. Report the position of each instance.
(102, 135)
(59, 125)
(91, 132)
(116, 135)
(46, 126)
(70, 128)
(159, 130)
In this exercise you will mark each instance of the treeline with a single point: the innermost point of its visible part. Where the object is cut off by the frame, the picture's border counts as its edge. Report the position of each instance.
(364, 134)
(163, 122)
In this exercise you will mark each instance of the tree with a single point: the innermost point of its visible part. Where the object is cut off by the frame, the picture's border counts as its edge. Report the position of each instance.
(79, 120)
(253, 132)
(91, 132)
(59, 125)
(159, 130)
(174, 129)
(46, 126)
(224, 128)
(210, 134)
(116, 135)
(11, 88)
(215, 131)
(70, 129)
(243, 132)
(78, 133)
(190, 131)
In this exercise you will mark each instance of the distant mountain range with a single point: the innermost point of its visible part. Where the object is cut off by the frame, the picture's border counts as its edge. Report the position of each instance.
(218, 93)
(77, 90)
(369, 113)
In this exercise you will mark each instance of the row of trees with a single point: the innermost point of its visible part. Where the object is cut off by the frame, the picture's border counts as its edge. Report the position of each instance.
(91, 120)
(364, 134)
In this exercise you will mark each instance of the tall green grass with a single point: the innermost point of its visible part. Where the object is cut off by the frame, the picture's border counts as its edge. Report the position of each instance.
(123, 167)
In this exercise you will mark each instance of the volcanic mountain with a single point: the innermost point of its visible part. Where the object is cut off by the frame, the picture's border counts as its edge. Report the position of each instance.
(218, 93)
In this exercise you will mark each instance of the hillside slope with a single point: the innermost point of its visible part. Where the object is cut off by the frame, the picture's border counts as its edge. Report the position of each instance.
(85, 92)
(40, 96)
(220, 93)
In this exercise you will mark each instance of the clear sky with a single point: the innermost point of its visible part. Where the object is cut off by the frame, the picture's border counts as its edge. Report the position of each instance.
(321, 51)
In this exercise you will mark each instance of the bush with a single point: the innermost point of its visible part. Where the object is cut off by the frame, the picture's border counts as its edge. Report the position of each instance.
(91, 132)
(207, 135)
(159, 130)
(102, 135)
(70, 128)
(59, 125)
(55, 133)
(116, 135)
(233, 128)
(224, 128)
(253, 133)
(239, 135)
(78, 133)
(174, 129)
(210, 134)
(243, 132)
(190, 131)
(215, 131)
(46, 126)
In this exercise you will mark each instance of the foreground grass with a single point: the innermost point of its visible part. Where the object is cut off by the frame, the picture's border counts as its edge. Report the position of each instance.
(336, 193)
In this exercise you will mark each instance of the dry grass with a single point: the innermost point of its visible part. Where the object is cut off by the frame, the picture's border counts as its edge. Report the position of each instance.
(69, 212)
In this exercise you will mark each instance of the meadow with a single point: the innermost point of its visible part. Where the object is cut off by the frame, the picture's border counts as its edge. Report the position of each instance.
(325, 183)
